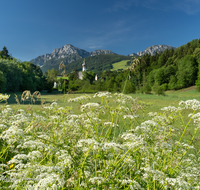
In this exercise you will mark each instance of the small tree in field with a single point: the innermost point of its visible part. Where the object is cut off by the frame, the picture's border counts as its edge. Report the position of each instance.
(147, 88)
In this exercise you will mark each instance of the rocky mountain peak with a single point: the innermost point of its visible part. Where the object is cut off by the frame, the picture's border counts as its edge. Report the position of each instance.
(71, 53)
(66, 51)
(67, 48)
(100, 51)
(152, 50)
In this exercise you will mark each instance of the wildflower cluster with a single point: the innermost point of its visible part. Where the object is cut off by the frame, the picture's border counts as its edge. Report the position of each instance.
(190, 104)
(130, 116)
(51, 106)
(124, 99)
(91, 150)
(103, 94)
(79, 99)
(171, 109)
(4, 97)
(91, 107)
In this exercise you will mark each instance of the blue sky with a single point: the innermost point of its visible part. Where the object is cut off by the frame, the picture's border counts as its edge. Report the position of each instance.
(29, 28)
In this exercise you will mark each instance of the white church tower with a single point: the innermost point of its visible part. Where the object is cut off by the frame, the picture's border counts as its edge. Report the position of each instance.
(84, 66)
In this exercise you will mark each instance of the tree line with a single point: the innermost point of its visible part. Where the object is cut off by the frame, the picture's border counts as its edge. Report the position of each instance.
(19, 76)
(169, 70)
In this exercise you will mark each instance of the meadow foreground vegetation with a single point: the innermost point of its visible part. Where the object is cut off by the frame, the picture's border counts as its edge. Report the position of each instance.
(106, 145)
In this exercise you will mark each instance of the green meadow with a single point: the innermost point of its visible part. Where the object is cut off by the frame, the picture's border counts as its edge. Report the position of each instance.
(100, 141)
(170, 98)
(148, 102)
(120, 65)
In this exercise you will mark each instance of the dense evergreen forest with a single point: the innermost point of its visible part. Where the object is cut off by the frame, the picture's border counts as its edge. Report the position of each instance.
(169, 70)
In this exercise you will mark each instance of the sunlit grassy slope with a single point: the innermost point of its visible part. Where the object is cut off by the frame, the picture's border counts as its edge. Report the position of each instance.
(120, 65)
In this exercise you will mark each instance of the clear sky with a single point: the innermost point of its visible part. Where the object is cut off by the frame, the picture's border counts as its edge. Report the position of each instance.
(29, 28)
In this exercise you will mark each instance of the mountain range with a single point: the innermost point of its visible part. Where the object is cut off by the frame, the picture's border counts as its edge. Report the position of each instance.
(68, 54)
(67, 51)
(152, 50)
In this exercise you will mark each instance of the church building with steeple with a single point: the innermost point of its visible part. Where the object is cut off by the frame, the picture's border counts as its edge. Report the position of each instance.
(80, 73)
(84, 66)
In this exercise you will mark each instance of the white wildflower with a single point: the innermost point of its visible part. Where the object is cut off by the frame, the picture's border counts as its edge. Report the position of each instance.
(130, 116)
(190, 104)
(96, 180)
(110, 124)
(90, 106)
(110, 145)
(12, 135)
(170, 109)
(87, 143)
(102, 94)
(35, 155)
(79, 99)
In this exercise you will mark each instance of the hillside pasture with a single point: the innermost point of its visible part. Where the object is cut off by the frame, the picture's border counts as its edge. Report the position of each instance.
(120, 65)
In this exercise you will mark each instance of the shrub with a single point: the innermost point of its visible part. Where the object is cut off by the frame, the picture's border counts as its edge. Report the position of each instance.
(158, 89)
(147, 88)
(164, 86)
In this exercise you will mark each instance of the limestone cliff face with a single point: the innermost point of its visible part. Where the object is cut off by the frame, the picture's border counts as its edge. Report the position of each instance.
(100, 51)
(152, 50)
(67, 51)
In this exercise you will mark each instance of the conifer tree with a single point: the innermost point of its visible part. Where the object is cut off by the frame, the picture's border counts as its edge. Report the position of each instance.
(4, 52)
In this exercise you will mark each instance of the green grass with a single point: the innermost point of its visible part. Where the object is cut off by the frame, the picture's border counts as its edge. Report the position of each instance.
(98, 148)
(60, 77)
(171, 98)
(120, 65)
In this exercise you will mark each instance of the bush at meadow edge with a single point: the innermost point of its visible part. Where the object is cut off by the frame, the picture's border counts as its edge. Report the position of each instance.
(104, 147)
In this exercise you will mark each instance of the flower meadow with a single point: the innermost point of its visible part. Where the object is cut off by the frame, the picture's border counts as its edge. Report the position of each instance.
(103, 147)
